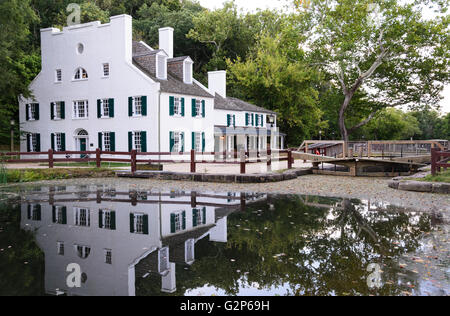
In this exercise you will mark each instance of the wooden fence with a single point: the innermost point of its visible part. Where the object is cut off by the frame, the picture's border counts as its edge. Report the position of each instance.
(134, 158)
(439, 160)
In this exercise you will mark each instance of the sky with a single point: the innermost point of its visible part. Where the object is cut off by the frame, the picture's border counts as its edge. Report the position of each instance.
(252, 5)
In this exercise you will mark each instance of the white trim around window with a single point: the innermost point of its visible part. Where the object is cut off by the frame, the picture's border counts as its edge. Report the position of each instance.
(80, 110)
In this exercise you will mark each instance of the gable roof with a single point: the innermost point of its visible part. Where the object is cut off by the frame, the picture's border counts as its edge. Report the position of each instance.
(234, 104)
(173, 84)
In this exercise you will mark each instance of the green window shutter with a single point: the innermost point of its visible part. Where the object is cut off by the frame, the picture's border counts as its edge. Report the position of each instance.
(262, 120)
(204, 216)
(144, 142)
(145, 224)
(182, 142)
(100, 219)
(203, 108)
(144, 105)
(28, 143)
(112, 141)
(111, 107)
(171, 106)
(27, 112)
(194, 217)
(234, 120)
(113, 220)
(53, 214)
(228, 120)
(99, 108)
(257, 120)
(203, 142)
(38, 142)
(52, 111)
(172, 223)
(253, 119)
(193, 140)
(52, 140)
(64, 215)
(131, 223)
(172, 141)
(100, 141)
(182, 107)
(63, 142)
(38, 212)
(184, 220)
(63, 110)
(37, 112)
(130, 106)
(194, 110)
(29, 211)
(247, 119)
(130, 141)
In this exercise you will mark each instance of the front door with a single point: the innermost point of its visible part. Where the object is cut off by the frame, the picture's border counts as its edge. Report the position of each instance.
(83, 146)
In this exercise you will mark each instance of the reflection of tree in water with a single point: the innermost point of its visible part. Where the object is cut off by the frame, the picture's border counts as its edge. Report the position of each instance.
(22, 265)
(310, 250)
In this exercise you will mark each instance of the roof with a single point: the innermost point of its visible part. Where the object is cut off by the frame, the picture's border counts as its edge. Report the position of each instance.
(172, 84)
(234, 104)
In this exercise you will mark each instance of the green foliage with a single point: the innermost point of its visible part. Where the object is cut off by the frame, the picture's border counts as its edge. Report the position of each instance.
(32, 175)
(440, 177)
(22, 265)
(432, 125)
(269, 78)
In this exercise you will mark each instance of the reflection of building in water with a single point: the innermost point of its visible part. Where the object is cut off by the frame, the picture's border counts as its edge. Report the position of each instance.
(117, 237)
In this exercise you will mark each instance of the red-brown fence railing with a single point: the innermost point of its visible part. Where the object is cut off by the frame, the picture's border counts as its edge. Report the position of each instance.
(134, 158)
(439, 160)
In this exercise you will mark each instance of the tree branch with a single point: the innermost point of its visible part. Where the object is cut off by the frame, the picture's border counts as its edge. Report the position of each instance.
(371, 116)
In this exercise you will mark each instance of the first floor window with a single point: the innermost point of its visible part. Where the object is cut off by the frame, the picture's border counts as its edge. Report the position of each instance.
(80, 109)
(137, 141)
(33, 142)
(107, 141)
(198, 142)
(82, 217)
(58, 141)
(176, 142)
(139, 223)
(107, 219)
(177, 222)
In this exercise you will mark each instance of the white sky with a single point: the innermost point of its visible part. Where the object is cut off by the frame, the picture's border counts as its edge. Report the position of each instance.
(252, 5)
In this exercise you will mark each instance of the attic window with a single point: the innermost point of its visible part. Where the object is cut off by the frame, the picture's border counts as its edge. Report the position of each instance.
(80, 48)
(81, 74)
(161, 67)
(188, 72)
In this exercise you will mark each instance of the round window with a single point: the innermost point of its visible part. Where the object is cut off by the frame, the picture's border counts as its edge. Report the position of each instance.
(80, 48)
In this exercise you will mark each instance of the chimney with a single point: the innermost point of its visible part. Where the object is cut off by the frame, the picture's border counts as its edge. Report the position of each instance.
(217, 82)
(166, 40)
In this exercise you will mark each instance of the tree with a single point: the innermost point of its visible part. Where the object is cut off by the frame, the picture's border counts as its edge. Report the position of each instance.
(387, 49)
(270, 79)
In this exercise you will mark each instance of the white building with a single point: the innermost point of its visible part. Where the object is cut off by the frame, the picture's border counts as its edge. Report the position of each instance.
(118, 237)
(99, 89)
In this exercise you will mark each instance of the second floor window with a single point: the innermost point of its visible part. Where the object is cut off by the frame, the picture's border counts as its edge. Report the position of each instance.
(137, 106)
(60, 248)
(80, 109)
(107, 219)
(139, 223)
(57, 110)
(32, 112)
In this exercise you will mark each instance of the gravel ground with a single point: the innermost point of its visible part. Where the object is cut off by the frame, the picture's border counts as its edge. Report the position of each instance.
(374, 189)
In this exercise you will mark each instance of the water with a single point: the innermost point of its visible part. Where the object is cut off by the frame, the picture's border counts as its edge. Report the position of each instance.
(118, 241)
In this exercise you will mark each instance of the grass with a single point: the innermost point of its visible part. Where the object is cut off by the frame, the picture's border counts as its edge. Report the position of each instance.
(32, 175)
(440, 177)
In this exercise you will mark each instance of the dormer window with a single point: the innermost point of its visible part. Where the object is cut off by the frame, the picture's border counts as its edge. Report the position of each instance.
(81, 74)
(188, 71)
(161, 67)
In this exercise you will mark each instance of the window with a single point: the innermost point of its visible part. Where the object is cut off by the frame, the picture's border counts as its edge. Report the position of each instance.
(198, 107)
(33, 143)
(81, 74)
(231, 120)
(198, 217)
(34, 212)
(107, 219)
(187, 72)
(59, 215)
(105, 107)
(137, 106)
(139, 223)
(80, 48)
(58, 142)
(108, 256)
(80, 109)
(177, 106)
(177, 142)
(137, 141)
(106, 70)
(60, 248)
(57, 110)
(107, 141)
(83, 251)
(137, 102)
(58, 75)
(82, 217)
(32, 112)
